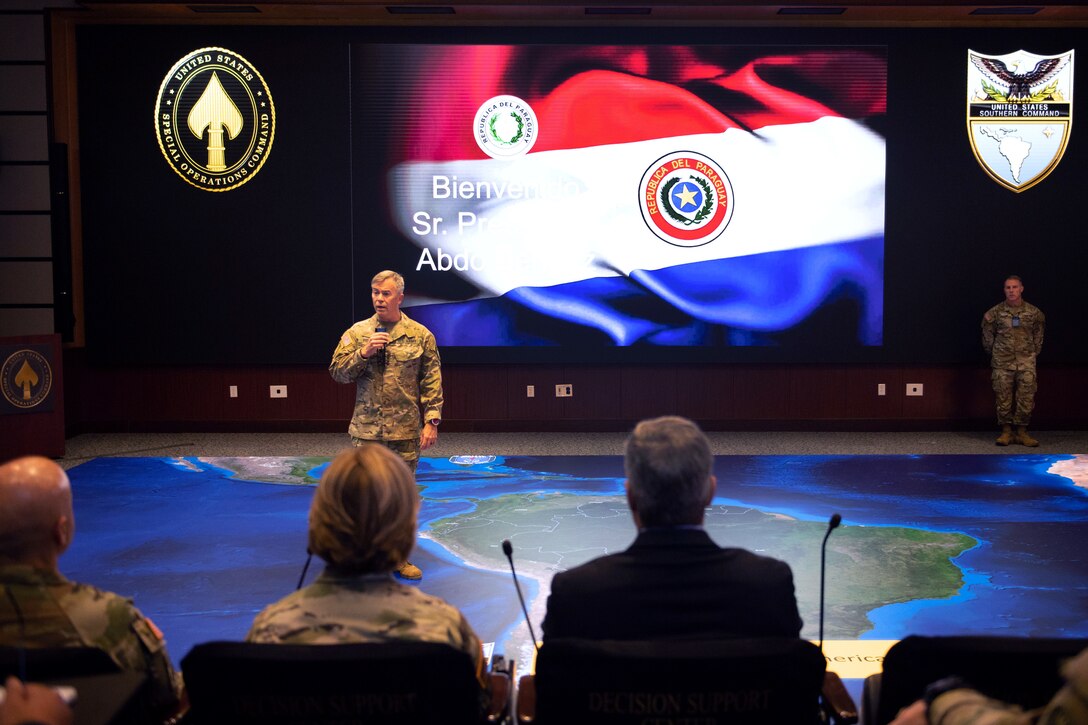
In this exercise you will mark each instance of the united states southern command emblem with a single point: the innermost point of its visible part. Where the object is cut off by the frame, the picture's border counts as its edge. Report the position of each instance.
(214, 119)
(1019, 114)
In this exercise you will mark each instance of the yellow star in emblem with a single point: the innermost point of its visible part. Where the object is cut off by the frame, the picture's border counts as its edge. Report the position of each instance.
(686, 195)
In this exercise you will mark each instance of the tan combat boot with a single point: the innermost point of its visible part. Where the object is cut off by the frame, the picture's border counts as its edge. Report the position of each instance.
(408, 570)
(1024, 438)
(1006, 436)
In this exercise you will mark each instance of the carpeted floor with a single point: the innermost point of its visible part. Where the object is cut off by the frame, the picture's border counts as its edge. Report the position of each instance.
(753, 443)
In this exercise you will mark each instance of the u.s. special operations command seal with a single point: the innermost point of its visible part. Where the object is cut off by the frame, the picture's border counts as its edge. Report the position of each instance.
(1019, 114)
(686, 199)
(505, 126)
(26, 379)
(214, 119)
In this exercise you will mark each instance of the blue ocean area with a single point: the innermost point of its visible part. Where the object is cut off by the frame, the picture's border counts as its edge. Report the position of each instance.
(202, 551)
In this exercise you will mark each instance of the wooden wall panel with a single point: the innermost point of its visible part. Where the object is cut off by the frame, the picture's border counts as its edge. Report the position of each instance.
(480, 392)
(936, 387)
(597, 394)
(817, 392)
(862, 400)
(492, 397)
(761, 393)
(1062, 397)
(518, 405)
(706, 392)
(649, 392)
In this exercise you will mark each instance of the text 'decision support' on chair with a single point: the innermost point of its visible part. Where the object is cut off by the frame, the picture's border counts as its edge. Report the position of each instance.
(728, 682)
(397, 682)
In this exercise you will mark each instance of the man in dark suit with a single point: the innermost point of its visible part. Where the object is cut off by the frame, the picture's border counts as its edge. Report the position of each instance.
(674, 581)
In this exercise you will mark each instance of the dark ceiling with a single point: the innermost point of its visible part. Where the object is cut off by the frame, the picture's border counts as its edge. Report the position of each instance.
(754, 13)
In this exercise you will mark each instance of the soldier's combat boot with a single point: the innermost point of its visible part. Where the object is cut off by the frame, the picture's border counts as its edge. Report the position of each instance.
(1024, 438)
(408, 570)
(1006, 436)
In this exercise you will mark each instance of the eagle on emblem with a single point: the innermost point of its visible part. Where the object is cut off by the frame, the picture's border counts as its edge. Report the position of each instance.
(1019, 84)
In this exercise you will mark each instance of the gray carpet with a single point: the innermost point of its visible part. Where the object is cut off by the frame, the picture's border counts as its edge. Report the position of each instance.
(88, 446)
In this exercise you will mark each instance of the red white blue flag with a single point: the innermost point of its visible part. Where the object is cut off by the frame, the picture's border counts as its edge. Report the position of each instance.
(636, 194)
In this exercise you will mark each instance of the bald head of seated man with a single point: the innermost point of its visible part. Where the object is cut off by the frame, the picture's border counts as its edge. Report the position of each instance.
(39, 607)
(36, 518)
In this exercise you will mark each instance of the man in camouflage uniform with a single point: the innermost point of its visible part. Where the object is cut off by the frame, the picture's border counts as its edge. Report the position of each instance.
(951, 702)
(1012, 333)
(397, 372)
(40, 608)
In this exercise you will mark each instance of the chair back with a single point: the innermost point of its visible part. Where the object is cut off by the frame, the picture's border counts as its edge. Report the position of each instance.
(41, 664)
(105, 693)
(769, 681)
(395, 682)
(1017, 670)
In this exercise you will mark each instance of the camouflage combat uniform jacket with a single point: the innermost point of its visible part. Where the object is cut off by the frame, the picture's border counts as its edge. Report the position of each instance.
(389, 397)
(1068, 707)
(367, 608)
(1013, 346)
(41, 608)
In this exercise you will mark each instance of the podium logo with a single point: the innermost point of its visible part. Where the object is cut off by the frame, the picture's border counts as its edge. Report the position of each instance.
(26, 379)
(214, 119)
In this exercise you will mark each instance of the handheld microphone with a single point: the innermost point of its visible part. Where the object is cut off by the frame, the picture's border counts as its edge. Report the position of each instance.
(379, 356)
(508, 549)
(833, 524)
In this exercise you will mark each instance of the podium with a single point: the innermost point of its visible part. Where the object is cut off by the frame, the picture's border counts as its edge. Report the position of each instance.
(31, 397)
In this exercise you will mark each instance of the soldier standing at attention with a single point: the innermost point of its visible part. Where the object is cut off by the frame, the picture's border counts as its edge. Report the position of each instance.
(1012, 333)
(397, 372)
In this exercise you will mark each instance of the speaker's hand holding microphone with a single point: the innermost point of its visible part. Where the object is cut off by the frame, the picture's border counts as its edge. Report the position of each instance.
(375, 345)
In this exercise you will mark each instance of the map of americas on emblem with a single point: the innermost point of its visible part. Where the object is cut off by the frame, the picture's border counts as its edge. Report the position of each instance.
(1019, 114)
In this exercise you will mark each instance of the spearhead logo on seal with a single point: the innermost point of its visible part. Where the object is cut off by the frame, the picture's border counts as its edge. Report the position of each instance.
(505, 126)
(1019, 114)
(214, 119)
(25, 379)
(686, 199)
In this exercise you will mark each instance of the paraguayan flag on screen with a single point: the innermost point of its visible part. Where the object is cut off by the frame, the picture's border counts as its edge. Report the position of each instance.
(560, 237)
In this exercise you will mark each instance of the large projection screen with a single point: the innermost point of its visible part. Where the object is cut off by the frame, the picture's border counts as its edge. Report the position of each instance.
(606, 195)
(593, 195)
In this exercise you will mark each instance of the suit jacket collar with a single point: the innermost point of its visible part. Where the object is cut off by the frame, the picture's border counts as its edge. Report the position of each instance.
(678, 537)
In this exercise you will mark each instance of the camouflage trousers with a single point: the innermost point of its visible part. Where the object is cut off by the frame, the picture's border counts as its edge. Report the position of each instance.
(1015, 392)
(407, 449)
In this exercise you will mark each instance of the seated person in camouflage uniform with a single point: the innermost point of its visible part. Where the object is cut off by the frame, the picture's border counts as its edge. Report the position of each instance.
(363, 524)
(40, 608)
(952, 702)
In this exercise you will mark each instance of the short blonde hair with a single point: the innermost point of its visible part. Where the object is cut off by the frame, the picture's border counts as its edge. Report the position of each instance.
(388, 274)
(363, 516)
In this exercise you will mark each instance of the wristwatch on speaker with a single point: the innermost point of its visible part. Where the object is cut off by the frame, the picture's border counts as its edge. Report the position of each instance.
(435, 421)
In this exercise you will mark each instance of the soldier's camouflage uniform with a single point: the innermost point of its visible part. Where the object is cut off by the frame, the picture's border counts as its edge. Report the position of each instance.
(1068, 707)
(366, 608)
(1014, 337)
(41, 608)
(389, 398)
